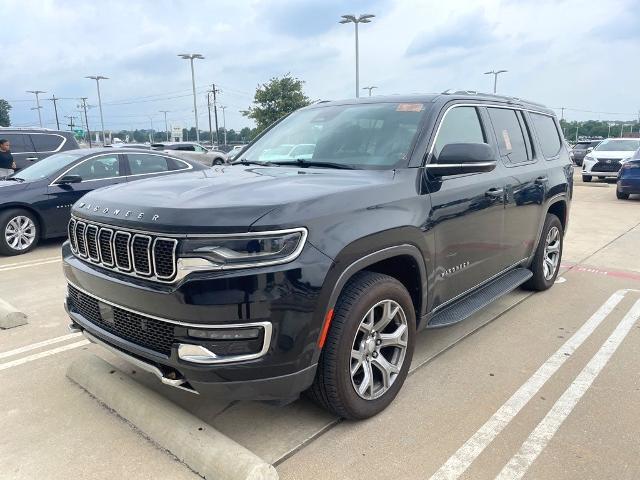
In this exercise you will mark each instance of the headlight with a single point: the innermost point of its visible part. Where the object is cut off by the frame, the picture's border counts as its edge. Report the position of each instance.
(240, 251)
(589, 158)
(624, 160)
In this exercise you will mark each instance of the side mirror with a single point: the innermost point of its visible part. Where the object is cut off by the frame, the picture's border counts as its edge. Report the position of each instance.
(67, 179)
(460, 158)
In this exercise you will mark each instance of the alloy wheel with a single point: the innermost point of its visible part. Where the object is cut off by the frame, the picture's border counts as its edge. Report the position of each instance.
(379, 349)
(551, 257)
(20, 233)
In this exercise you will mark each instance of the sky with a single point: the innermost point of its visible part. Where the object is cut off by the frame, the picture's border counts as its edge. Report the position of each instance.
(578, 54)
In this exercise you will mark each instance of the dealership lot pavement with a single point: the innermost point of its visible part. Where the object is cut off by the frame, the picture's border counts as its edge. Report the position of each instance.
(455, 417)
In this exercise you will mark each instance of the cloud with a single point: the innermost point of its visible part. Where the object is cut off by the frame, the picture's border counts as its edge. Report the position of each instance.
(467, 32)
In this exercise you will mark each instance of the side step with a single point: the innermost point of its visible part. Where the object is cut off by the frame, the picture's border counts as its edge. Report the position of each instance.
(479, 299)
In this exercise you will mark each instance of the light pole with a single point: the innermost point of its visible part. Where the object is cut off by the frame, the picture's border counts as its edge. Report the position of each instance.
(191, 57)
(166, 128)
(38, 107)
(209, 110)
(369, 88)
(224, 123)
(97, 78)
(622, 129)
(495, 74)
(609, 132)
(366, 18)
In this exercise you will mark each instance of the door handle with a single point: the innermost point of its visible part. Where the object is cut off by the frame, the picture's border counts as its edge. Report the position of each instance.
(31, 159)
(543, 179)
(494, 193)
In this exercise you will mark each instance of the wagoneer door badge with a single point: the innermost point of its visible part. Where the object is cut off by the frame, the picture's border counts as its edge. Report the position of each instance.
(450, 271)
(116, 212)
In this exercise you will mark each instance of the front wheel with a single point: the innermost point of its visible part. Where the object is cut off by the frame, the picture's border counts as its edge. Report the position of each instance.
(19, 232)
(368, 350)
(218, 161)
(546, 261)
(586, 178)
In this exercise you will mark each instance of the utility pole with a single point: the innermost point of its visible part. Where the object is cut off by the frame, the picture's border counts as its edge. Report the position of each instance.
(70, 124)
(561, 113)
(55, 108)
(38, 107)
(224, 123)
(86, 119)
(215, 111)
(97, 78)
(577, 128)
(209, 110)
(166, 127)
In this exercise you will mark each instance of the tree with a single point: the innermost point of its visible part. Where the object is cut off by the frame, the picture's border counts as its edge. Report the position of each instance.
(5, 120)
(275, 99)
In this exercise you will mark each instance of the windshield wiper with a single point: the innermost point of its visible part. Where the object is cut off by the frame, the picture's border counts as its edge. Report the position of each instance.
(310, 163)
(250, 162)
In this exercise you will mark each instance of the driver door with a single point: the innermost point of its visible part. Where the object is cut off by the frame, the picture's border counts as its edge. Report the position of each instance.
(96, 171)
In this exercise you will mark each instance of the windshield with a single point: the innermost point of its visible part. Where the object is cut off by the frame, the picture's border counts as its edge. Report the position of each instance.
(47, 167)
(375, 135)
(618, 146)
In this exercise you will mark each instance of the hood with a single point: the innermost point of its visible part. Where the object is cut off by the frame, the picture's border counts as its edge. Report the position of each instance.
(613, 155)
(228, 199)
(10, 186)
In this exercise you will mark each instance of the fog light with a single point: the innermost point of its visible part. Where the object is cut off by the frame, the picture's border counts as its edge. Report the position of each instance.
(226, 334)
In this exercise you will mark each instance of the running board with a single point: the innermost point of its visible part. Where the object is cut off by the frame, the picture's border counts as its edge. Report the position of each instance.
(479, 299)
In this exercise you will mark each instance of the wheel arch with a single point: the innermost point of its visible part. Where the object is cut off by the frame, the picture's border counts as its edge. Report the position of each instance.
(559, 206)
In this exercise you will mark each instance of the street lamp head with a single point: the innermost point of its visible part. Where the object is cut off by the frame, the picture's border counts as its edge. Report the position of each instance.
(502, 71)
(366, 18)
(97, 77)
(489, 73)
(348, 19)
(191, 56)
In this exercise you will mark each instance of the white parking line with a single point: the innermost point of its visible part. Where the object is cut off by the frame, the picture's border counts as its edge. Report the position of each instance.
(46, 353)
(16, 266)
(33, 346)
(458, 463)
(546, 429)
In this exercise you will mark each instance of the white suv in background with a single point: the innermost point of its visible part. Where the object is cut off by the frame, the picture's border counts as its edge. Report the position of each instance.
(606, 159)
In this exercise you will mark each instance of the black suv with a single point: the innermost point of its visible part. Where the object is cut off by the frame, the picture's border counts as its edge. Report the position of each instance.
(581, 149)
(263, 279)
(29, 145)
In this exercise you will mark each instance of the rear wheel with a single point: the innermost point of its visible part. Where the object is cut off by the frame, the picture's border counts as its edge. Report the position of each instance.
(19, 232)
(586, 178)
(621, 195)
(218, 161)
(368, 350)
(546, 261)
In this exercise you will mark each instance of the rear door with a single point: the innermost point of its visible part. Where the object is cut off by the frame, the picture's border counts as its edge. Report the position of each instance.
(22, 149)
(144, 165)
(47, 143)
(467, 211)
(526, 182)
(97, 171)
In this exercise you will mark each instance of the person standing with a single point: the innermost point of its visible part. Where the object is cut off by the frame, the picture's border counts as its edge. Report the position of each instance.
(7, 164)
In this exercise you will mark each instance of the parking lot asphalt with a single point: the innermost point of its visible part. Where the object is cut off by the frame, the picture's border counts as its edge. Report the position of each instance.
(474, 406)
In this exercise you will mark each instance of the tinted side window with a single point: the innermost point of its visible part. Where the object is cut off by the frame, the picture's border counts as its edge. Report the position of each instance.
(46, 143)
(176, 164)
(20, 143)
(460, 125)
(511, 138)
(548, 134)
(105, 166)
(140, 163)
(186, 148)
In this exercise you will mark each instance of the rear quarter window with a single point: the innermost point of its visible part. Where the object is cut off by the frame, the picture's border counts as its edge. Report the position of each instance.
(46, 142)
(547, 134)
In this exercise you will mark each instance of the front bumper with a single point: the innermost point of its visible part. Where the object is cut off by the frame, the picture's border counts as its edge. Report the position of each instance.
(283, 297)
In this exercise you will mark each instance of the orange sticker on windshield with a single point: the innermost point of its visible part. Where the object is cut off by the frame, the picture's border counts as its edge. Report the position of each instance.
(507, 140)
(410, 107)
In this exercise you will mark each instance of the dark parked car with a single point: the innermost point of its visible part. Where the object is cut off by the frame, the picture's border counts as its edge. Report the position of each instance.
(629, 177)
(581, 149)
(268, 278)
(29, 145)
(36, 202)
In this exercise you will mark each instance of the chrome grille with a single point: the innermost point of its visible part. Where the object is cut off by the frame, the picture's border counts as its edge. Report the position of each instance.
(128, 252)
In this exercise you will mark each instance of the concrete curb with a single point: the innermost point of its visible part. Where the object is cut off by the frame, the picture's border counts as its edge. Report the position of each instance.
(202, 448)
(10, 316)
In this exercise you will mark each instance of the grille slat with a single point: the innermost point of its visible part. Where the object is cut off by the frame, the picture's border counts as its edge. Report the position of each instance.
(128, 252)
(134, 327)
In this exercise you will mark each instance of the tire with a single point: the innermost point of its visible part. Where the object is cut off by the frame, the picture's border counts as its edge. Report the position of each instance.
(25, 222)
(621, 195)
(586, 178)
(541, 280)
(218, 161)
(334, 388)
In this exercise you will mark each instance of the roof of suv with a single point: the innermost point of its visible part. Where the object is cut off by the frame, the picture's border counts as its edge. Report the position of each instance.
(441, 97)
(33, 130)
